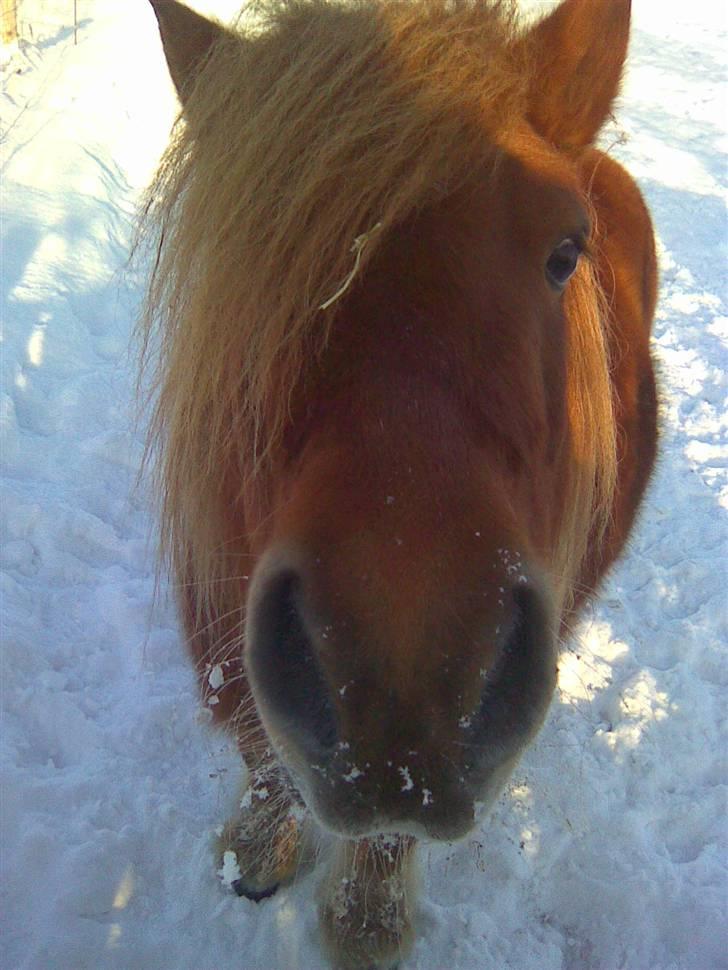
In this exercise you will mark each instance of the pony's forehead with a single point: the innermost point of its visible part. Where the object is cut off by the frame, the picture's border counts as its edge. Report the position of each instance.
(542, 161)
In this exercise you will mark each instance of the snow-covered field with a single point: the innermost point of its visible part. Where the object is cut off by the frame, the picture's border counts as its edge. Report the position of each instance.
(609, 848)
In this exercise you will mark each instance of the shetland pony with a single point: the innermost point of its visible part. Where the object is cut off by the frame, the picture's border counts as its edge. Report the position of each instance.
(404, 409)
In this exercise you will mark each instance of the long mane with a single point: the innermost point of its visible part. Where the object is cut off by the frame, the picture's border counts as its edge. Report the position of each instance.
(321, 124)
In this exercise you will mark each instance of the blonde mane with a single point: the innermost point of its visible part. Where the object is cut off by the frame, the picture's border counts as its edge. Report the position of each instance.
(590, 492)
(322, 123)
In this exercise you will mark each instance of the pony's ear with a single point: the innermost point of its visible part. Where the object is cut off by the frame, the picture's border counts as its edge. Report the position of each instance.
(187, 38)
(576, 55)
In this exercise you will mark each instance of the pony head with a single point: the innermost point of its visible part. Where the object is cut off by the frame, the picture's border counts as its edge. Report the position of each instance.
(383, 383)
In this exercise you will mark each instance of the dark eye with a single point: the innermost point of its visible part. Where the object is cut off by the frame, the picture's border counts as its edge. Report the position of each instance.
(562, 263)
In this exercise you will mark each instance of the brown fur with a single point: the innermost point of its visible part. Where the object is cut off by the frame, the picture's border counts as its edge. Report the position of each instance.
(361, 379)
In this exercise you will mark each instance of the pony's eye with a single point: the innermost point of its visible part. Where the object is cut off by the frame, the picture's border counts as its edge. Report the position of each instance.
(562, 263)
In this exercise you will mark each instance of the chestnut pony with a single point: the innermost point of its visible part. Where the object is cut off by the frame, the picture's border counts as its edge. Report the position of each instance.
(404, 409)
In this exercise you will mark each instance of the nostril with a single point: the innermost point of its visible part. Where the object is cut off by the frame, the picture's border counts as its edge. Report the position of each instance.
(286, 672)
(519, 687)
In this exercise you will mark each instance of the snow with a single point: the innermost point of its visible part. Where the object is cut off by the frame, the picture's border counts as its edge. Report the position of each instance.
(230, 871)
(216, 677)
(608, 849)
(407, 783)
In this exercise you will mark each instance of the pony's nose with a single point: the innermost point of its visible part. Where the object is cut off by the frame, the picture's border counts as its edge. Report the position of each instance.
(283, 664)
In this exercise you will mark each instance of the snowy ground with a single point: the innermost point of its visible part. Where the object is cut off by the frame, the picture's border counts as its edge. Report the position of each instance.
(608, 850)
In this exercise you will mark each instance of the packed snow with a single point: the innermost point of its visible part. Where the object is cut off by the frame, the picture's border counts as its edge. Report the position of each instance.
(608, 850)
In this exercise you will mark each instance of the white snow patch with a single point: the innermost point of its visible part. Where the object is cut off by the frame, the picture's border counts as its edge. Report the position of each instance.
(408, 784)
(230, 871)
(216, 677)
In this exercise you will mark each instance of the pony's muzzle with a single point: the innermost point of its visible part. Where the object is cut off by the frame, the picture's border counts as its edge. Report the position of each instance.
(372, 755)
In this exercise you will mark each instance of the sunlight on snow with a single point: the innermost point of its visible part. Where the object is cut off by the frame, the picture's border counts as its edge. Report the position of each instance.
(588, 670)
(35, 345)
(644, 701)
(530, 841)
(124, 892)
(641, 704)
(523, 802)
(522, 793)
